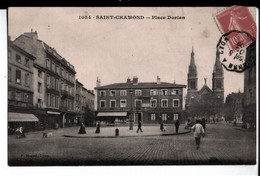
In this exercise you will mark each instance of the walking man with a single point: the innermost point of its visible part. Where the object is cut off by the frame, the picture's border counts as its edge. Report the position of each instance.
(139, 127)
(177, 124)
(198, 132)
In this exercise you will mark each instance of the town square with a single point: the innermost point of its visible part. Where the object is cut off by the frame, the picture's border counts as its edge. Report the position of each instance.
(132, 86)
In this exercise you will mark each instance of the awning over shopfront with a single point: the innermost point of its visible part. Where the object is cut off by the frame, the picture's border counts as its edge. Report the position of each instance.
(52, 112)
(112, 114)
(20, 117)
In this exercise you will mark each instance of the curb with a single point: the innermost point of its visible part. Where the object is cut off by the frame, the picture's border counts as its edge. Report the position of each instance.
(170, 134)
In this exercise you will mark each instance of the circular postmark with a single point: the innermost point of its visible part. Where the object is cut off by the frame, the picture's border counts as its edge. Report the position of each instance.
(232, 50)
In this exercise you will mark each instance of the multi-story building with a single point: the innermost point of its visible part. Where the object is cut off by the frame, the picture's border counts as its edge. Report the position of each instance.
(80, 102)
(250, 87)
(54, 83)
(20, 87)
(234, 107)
(149, 102)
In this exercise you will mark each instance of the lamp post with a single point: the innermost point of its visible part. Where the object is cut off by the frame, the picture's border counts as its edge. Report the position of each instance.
(131, 117)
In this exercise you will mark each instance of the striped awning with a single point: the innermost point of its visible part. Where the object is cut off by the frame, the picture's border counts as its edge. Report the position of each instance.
(112, 114)
(20, 117)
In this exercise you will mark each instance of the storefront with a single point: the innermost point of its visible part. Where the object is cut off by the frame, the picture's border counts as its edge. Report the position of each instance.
(27, 121)
(112, 117)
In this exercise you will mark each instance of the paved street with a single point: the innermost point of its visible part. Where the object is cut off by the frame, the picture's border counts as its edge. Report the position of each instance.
(223, 144)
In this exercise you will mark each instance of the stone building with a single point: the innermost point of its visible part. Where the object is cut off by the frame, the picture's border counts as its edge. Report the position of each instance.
(234, 107)
(20, 87)
(215, 95)
(149, 102)
(54, 83)
(250, 87)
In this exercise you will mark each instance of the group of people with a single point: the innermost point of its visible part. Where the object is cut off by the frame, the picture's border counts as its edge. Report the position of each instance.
(82, 128)
(176, 123)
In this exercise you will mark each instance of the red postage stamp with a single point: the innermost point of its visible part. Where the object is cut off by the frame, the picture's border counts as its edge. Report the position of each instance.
(236, 18)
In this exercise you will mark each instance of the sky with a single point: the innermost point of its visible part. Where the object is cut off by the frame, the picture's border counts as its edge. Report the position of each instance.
(114, 50)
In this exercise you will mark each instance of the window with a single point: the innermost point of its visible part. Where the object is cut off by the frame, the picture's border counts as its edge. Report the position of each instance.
(27, 62)
(153, 92)
(164, 92)
(102, 93)
(164, 117)
(122, 92)
(57, 101)
(53, 100)
(18, 76)
(176, 103)
(175, 116)
(138, 103)
(48, 81)
(175, 92)
(138, 92)
(153, 103)
(48, 63)
(18, 58)
(218, 83)
(57, 84)
(53, 66)
(52, 83)
(112, 93)
(39, 73)
(57, 69)
(152, 116)
(9, 73)
(48, 99)
(122, 103)
(192, 85)
(39, 103)
(39, 87)
(62, 86)
(164, 103)
(18, 96)
(27, 79)
(26, 97)
(112, 103)
(102, 103)
(61, 72)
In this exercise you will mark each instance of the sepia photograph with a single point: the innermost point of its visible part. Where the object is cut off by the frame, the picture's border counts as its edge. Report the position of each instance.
(132, 86)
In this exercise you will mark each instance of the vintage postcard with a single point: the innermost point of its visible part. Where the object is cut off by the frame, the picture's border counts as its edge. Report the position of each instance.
(132, 86)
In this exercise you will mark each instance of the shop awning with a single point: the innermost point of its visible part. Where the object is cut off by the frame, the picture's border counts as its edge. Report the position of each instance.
(112, 114)
(52, 112)
(20, 117)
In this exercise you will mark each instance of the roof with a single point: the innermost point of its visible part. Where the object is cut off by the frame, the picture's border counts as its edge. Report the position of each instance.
(11, 44)
(205, 88)
(141, 85)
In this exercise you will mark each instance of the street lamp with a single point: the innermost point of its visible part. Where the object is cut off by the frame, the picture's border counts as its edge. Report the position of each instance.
(131, 117)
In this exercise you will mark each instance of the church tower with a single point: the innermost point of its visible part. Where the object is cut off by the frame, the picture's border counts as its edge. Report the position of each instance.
(218, 79)
(192, 80)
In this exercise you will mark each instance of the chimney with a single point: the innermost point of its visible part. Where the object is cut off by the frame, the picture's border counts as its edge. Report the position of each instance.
(98, 84)
(158, 80)
(128, 80)
(33, 35)
(135, 80)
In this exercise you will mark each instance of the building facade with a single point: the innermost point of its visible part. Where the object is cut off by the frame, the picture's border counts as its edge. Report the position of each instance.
(20, 87)
(205, 97)
(54, 83)
(234, 107)
(250, 88)
(149, 102)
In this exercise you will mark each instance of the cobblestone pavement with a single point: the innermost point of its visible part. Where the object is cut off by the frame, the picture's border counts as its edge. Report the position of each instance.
(223, 144)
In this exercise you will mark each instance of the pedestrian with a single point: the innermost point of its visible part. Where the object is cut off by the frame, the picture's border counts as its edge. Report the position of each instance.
(82, 129)
(139, 127)
(98, 127)
(198, 132)
(177, 124)
(203, 123)
(161, 126)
